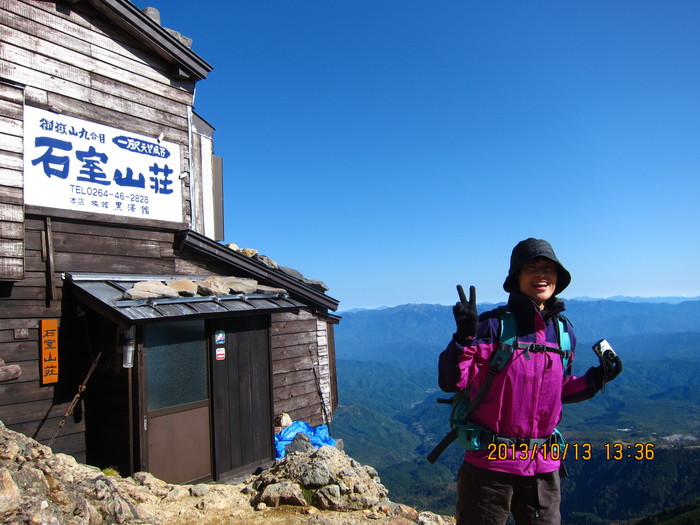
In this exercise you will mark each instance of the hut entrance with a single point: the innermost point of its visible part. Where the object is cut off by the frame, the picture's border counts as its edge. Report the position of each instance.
(208, 398)
(176, 423)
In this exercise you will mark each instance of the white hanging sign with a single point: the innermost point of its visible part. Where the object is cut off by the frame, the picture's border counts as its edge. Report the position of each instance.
(74, 164)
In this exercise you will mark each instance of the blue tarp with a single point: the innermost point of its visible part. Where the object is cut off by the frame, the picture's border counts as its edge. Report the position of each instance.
(318, 436)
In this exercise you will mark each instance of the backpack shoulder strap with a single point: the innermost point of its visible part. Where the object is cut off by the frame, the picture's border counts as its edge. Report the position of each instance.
(563, 333)
(564, 341)
(506, 340)
(507, 326)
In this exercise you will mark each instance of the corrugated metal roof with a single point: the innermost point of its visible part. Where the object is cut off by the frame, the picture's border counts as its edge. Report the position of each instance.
(105, 294)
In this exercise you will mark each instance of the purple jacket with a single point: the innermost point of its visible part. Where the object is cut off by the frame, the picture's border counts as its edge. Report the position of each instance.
(525, 398)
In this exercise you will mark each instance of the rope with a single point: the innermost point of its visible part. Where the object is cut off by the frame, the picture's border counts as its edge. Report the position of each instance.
(76, 398)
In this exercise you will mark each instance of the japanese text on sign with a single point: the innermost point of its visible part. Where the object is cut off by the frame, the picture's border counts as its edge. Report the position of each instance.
(74, 164)
(49, 351)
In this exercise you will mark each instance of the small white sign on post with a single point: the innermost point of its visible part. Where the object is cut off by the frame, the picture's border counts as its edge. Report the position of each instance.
(74, 164)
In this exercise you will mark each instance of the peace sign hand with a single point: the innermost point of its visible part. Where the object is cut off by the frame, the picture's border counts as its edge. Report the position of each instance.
(466, 316)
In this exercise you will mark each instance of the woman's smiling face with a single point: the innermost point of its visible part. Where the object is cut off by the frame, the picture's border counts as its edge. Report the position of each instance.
(538, 280)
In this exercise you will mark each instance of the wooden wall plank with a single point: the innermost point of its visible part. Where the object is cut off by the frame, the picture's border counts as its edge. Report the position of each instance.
(12, 324)
(101, 230)
(11, 248)
(12, 393)
(11, 269)
(32, 411)
(286, 366)
(43, 430)
(285, 381)
(81, 262)
(10, 126)
(11, 109)
(281, 341)
(77, 243)
(11, 161)
(28, 308)
(293, 327)
(23, 350)
(11, 213)
(302, 392)
(11, 177)
(10, 93)
(11, 195)
(290, 352)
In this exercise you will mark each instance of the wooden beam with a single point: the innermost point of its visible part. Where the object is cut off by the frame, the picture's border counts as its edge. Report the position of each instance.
(50, 266)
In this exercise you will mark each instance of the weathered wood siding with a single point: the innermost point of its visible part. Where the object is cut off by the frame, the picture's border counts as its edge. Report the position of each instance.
(301, 376)
(11, 183)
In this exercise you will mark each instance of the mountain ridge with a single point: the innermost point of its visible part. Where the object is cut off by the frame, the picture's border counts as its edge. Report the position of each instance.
(413, 335)
(671, 299)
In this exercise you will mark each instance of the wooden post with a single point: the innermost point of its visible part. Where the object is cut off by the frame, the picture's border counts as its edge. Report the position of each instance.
(50, 281)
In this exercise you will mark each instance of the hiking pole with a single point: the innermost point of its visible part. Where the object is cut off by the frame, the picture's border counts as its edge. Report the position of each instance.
(76, 398)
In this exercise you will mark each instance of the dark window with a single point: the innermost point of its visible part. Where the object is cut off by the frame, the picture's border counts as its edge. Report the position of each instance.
(176, 364)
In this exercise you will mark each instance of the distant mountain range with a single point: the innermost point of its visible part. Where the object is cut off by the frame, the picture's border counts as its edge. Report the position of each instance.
(619, 298)
(628, 299)
(413, 335)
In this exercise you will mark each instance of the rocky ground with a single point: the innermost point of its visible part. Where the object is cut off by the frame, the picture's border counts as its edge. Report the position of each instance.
(312, 486)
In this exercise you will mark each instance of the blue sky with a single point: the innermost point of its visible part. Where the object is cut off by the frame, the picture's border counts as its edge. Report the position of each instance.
(394, 149)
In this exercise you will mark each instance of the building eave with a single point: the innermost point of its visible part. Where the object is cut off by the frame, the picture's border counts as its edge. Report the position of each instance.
(156, 37)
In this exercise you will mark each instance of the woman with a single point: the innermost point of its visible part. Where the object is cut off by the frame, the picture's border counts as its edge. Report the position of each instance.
(523, 404)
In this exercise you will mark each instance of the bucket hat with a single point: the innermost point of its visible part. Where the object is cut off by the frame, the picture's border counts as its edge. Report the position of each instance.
(530, 249)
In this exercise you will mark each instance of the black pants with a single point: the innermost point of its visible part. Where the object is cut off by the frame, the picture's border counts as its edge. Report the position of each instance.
(487, 497)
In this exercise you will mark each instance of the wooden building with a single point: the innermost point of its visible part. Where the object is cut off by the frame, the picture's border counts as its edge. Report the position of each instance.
(108, 184)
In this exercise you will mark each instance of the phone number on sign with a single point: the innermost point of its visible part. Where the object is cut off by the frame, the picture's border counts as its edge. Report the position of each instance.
(576, 451)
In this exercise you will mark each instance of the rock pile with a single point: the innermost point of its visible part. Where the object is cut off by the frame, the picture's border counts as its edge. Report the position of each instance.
(326, 478)
(323, 486)
(207, 286)
(251, 253)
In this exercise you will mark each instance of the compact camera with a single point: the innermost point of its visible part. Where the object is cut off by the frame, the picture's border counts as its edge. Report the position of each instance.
(601, 348)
